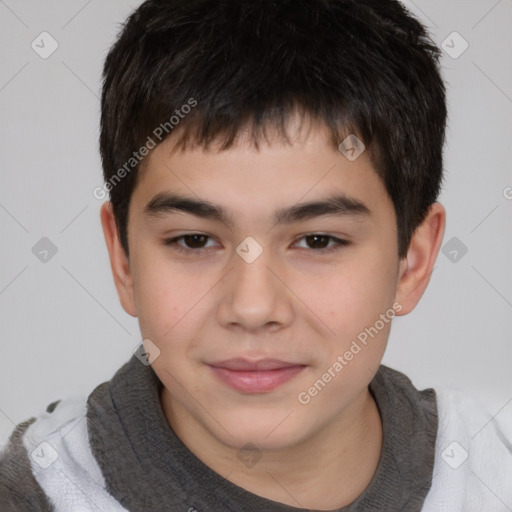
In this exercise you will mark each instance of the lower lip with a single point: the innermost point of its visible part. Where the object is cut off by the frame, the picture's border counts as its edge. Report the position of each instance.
(256, 381)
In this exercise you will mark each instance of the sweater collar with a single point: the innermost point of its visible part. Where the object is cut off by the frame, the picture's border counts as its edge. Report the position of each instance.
(147, 467)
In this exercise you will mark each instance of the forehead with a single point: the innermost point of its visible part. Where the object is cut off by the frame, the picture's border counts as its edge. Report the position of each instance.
(256, 183)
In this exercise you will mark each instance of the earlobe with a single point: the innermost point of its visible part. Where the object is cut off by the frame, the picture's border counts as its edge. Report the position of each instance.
(119, 261)
(417, 266)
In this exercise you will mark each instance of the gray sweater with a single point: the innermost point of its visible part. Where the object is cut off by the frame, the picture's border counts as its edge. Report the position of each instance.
(145, 467)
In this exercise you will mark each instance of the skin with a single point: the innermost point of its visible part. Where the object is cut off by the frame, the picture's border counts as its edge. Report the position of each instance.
(293, 303)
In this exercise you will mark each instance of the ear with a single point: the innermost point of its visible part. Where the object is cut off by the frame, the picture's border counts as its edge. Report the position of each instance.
(119, 262)
(417, 266)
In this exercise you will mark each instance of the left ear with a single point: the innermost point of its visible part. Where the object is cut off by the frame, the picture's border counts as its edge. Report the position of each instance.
(417, 266)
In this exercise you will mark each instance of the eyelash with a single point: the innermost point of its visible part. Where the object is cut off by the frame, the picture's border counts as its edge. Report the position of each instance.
(339, 243)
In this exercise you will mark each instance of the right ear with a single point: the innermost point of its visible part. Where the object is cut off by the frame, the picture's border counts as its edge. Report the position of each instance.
(119, 261)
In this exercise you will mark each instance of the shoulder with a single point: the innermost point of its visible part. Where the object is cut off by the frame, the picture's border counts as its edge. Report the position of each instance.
(473, 460)
(19, 490)
(48, 465)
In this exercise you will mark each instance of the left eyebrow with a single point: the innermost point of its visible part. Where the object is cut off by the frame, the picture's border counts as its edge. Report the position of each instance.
(338, 204)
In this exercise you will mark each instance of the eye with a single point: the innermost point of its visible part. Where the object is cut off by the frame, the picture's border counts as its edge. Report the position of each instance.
(319, 242)
(191, 243)
(197, 243)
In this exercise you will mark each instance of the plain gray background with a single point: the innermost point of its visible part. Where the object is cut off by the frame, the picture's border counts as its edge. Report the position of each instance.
(62, 329)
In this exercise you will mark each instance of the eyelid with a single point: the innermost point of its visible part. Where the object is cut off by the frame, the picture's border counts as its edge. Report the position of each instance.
(174, 242)
(338, 243)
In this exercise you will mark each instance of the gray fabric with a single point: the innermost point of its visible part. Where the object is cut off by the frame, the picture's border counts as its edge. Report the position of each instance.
(147, 467)
(19, 490)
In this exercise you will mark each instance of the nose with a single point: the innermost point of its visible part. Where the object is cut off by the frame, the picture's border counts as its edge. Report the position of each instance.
(255, 297)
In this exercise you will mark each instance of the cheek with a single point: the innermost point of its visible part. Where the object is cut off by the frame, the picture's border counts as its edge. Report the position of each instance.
(164, 296)
(357, 294)
(357, 302)
(173, 305)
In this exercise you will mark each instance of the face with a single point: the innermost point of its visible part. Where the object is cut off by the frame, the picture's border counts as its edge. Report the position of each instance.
(267, 279)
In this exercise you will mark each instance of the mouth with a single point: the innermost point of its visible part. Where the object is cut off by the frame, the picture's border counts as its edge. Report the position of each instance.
(255, 376)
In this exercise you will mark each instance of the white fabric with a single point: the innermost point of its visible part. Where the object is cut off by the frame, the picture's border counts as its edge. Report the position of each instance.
(480, 483)
(483, 481)
(63, 464)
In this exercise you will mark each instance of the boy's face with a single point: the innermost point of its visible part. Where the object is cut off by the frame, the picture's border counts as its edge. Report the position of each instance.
(213, 298)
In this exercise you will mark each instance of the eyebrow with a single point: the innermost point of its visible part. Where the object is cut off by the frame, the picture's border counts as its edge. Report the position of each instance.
(338, 204)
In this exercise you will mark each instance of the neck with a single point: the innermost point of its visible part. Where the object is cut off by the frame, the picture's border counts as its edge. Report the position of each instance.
(327, 471)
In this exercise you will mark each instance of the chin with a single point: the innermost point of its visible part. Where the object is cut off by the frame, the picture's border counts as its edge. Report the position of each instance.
(264, 431)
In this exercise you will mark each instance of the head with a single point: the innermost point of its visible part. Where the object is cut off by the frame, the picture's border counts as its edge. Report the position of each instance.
(273, 170)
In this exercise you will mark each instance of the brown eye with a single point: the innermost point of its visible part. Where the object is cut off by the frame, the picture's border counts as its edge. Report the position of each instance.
(318, 241)
(195, 241)
(321, 243)
(191, 243)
